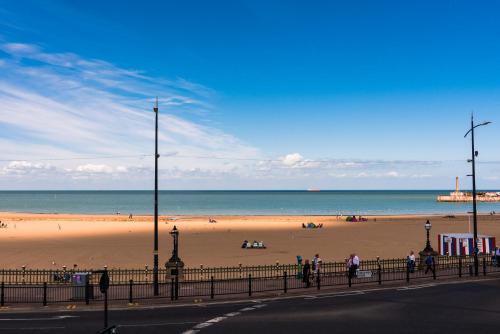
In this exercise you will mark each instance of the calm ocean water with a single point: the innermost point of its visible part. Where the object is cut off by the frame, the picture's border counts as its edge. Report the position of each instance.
(235, 202)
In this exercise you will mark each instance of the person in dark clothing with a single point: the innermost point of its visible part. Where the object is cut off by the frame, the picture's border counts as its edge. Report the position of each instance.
(429, 264)
(306, 273)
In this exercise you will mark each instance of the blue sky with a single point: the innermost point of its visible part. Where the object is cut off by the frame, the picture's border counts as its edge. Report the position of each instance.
(295, 94)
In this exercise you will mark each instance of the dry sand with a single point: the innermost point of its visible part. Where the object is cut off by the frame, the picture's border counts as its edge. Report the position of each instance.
(92, 241)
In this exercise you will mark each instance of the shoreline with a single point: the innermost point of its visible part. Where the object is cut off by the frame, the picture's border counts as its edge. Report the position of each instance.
(243, 215)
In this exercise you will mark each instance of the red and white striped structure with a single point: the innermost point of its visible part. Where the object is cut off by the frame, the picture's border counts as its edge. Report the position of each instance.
(463, 244)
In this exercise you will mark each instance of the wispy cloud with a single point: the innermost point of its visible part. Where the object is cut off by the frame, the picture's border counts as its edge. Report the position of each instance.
(60, 104)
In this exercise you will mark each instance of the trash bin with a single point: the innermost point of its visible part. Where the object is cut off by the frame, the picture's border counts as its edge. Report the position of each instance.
(79, 283)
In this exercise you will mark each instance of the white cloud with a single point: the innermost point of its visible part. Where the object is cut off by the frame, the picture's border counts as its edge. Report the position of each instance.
(292, 159)
(91, 168)
(26, 167)
(392, 174)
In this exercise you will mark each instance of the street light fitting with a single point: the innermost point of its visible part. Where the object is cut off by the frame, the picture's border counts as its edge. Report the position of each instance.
(476, 126)
(428, 225)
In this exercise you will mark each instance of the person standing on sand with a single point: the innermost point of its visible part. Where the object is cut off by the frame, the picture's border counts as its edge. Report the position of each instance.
(306, 274)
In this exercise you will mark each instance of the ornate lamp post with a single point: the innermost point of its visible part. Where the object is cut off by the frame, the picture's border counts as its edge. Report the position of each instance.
(428, 247)
(175, 265)
(175, 252)
(428, 250)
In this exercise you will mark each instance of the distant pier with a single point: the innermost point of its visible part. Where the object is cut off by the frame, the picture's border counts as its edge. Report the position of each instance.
(458, 196)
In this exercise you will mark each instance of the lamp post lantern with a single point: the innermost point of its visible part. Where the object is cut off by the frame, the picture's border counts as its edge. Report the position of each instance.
(473, 175)
(155, 251)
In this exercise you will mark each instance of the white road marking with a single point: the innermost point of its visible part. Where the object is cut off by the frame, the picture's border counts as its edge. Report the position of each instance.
(232, 314)
(415, 287)
(191, 331)
(339, 294)
(58, 317)
(259, 306)
(203, 325)
(215, 320)
(247, 309)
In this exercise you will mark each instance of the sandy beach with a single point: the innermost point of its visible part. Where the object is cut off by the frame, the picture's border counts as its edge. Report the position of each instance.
(92, 241)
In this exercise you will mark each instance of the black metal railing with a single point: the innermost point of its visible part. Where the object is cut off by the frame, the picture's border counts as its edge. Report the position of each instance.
(53, 286)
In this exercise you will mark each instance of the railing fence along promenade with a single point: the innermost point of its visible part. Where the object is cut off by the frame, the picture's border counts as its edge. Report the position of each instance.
(55, 286)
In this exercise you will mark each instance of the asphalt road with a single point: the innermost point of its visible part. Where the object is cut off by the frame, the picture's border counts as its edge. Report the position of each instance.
(426, 308)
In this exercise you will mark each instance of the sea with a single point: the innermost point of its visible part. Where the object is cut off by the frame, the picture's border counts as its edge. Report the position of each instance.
(234, 202)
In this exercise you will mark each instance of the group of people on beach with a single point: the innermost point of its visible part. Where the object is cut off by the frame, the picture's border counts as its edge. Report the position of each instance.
(254, 244)
(3, 225)
(312, 225)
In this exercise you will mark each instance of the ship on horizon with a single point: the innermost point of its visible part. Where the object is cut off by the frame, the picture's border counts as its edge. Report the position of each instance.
(459, 196)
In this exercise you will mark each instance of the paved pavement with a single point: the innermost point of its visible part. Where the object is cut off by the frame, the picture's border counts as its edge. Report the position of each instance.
(461, 307)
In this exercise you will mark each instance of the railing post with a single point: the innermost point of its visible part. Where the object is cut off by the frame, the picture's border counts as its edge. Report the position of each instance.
(318, 280)
(379, 271)
(130, 289)
(250, 284)
(87, 291)
(470, 270)
(211, 287)
(176, 287)
(44, 293)
(2, 294)
(484, 266)
(172, 289)
(407, 274)
(434, 269)
(460, 267)
(285, 283)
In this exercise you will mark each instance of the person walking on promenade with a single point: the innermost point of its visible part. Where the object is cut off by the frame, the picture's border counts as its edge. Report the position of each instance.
(350, 266)
(315, 264)
(429, 264)
(410, 259)
(306, 273)
(355, 264)
(496, 257)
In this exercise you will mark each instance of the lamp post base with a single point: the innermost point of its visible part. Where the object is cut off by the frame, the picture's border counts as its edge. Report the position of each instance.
(423, 254)
(175, 268)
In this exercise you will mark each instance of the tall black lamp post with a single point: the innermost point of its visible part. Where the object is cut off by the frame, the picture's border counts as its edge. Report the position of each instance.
(474, 204)
(428, 250)
(155, 251)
